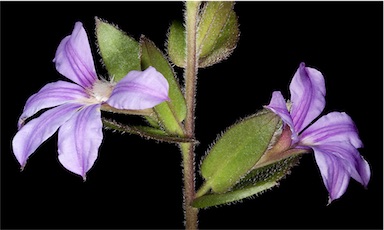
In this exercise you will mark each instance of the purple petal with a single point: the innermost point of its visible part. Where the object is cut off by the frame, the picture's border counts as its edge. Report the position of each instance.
(74, 58)
(52, 94)
(333, 172)
(363, 172)
(140, 90)
(278, 106)
(334, 126)
(35, 132)
(307, 96)
(338, 160)
(80, 139)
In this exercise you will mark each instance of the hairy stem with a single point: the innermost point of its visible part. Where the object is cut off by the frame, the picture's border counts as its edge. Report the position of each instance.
(190, 74)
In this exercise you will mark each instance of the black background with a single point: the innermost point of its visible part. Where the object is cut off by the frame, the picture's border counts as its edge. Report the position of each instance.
(137, 183)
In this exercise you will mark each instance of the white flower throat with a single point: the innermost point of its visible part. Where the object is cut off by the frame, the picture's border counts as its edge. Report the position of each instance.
(100, 92)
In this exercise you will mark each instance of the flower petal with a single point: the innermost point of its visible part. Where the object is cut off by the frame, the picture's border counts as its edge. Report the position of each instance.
(52, 94)
(74, 58)
(338, 160)
(35, 132)
(334, 126)
(307, 96)
(80, 139)
(333, 172)
(140, 90)
(364, 172)
(278, 106)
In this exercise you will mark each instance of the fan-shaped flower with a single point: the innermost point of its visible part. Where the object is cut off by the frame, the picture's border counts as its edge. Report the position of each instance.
(333, 137)
(74, 108)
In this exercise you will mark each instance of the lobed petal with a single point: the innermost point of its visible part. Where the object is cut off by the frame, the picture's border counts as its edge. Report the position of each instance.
(52, 94)
(332, 127)
(337, 162)
(333, 172)
(74, 59)
(278, 106)
(140, 90)
(307, 95)
(35, 132)
(363, 172)
(79, 140)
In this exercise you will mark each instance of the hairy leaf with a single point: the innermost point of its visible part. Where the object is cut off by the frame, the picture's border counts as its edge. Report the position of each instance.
(257, 181)
(177, 43)
(170, 113)
(218, 32)
(238, 150)
(120, 53)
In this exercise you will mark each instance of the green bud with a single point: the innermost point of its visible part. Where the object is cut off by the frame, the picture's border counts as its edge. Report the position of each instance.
(218, 32)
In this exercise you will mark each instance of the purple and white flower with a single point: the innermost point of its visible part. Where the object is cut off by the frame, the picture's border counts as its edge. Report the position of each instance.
(74, 108)
(333, 137)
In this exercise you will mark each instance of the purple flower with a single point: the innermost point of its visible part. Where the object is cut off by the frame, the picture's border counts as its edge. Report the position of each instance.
(75, 108)
(333, 137)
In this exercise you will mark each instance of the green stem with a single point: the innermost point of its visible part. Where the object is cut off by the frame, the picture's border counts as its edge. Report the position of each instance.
(190, 213)
(188, 149)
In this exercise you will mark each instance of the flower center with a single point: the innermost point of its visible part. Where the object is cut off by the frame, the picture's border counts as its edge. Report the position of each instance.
(101, 90)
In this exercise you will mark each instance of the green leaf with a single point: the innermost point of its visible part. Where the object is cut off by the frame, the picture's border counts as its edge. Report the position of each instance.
(213, 19)
(225, 198)
(257, 181)
(238, 150)
(177, 43)
(218, 32)
(153, 121)
(269, 173)
(120, 53)
(170, 113)
(145, 132)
